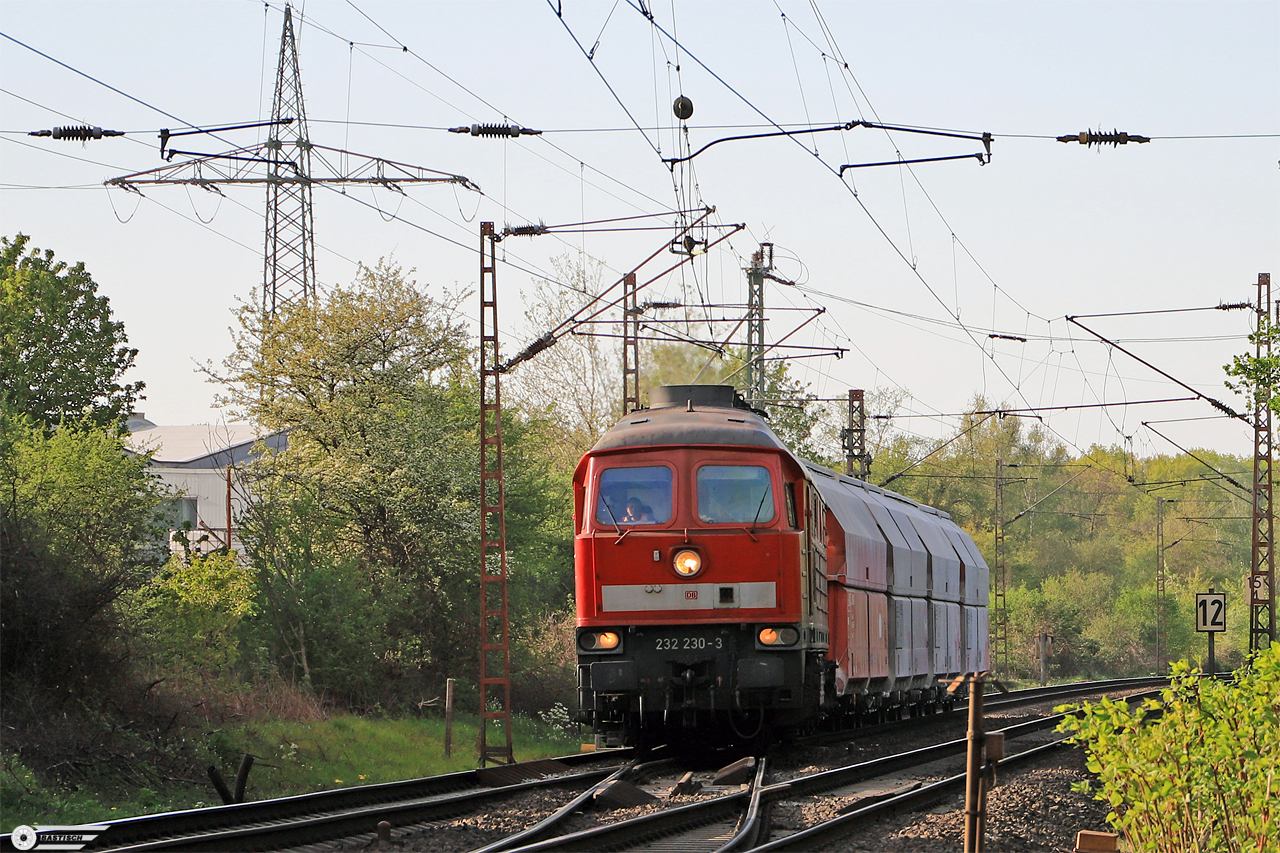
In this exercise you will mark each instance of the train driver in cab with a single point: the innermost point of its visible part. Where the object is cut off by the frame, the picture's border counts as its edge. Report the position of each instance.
(637, 513)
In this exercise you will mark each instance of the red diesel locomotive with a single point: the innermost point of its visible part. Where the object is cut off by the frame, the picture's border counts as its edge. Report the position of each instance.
(727, 589)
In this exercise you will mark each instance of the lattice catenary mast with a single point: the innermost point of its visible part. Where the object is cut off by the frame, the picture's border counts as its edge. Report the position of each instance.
(495, 654)
(999, 585)
(1262, 576)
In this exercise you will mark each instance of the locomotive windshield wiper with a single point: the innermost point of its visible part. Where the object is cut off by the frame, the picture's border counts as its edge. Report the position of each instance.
(616, 525)
(759, 509)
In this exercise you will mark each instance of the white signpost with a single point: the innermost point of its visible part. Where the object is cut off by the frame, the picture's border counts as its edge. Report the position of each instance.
(1211, 617)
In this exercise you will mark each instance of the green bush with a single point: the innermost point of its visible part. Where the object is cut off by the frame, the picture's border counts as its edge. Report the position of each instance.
(1197, 769)
(189, 613)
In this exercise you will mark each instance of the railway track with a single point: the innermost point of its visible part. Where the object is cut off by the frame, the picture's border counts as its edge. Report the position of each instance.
(327, 815)
(727, 817)
(992, 702)
(743, 820)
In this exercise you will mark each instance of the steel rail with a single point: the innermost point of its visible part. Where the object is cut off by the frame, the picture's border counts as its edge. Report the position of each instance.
(546, 828)
(993, 700)
(808, 839)
(913, 799)
(749, 809)
(648, 827)
(669, 828)
(135, 832)
(275, 834)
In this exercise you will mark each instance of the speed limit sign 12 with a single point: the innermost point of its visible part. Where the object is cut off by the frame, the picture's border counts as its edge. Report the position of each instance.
(1211, 611)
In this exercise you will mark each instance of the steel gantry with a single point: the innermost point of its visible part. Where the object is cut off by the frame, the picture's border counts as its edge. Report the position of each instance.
(1162, 629)
(1262, 575)
(289, 273)
(857, 462)
(999, 585)
(761, 266)
(495, 653)
(631, 312)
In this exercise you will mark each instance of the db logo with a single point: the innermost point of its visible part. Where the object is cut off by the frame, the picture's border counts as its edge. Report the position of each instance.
(691, 594)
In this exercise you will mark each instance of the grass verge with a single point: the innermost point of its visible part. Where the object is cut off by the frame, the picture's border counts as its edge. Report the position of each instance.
(341, 751)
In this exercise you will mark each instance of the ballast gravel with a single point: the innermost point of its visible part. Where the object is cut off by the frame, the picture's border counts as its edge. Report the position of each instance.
(1031, 809)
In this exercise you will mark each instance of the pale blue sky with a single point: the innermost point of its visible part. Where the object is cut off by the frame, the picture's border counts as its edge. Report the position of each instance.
(1045, 230)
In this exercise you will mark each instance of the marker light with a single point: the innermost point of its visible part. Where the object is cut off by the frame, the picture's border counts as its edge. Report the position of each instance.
(778, 636)
(687, 563)
(597, 642)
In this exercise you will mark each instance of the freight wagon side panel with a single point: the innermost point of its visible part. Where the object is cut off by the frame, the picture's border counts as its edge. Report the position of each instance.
(853, 635)
(905, 577)
(856, 542)
(944, 562)
(922, 641)
(878, 634)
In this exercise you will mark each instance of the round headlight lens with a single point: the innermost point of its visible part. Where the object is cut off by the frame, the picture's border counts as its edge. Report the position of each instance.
(599, 641)
(778, 636)
(687, 563)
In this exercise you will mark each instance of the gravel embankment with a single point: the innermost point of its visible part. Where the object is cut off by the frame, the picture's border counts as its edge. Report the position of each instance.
(1031, 809)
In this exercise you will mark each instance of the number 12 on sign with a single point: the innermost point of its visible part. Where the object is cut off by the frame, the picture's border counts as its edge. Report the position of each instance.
(1211, 611)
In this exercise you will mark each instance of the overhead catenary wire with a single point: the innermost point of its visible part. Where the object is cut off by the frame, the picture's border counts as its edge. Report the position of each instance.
(914, 269)
(105, 85)
(309, 21)
(1002, 355)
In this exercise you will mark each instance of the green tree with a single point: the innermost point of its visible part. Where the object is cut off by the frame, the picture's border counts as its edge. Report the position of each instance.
(1257, 376)
(363, 537)
(61, 355)
(75, 516)
(74, 510)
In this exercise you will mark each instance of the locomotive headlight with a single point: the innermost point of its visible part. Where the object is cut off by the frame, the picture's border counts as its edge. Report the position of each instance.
(687, 563)
(778, 636)
(599, 641)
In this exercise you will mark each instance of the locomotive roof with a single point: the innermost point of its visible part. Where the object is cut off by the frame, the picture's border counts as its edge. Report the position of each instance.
(692, 415)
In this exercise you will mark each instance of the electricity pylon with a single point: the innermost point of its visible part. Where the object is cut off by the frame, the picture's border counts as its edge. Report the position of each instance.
(283, 164)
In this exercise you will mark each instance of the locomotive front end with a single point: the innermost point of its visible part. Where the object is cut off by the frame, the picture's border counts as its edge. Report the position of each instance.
(694, 573)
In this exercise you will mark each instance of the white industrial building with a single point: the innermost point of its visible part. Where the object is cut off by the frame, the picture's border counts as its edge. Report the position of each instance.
(202, 465)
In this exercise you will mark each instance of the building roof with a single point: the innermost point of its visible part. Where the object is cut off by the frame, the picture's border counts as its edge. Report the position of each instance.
(199, 445)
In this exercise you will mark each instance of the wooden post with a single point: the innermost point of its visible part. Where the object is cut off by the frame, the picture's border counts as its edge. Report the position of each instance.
(448, 717)
(1042, 651)
(973, 805)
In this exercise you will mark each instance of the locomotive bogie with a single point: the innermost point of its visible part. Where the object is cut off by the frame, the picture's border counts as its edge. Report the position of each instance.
(680, 679)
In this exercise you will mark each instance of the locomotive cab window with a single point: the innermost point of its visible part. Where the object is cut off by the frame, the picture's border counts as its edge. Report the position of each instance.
(735, 494)
(634, 496)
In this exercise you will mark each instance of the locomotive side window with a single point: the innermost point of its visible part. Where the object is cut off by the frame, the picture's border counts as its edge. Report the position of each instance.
(634, 496)
(791, 506)
(734, 494)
